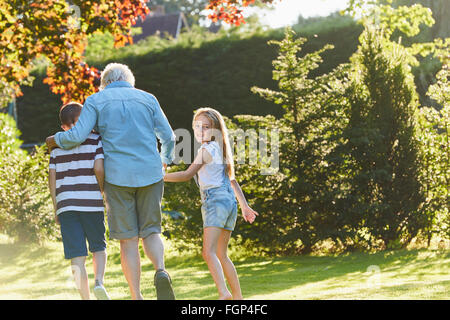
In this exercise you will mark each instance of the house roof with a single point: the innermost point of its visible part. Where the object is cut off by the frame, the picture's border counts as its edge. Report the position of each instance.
(171, 23)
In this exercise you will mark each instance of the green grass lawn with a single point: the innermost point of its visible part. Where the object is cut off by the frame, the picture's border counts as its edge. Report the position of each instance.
(40, 272)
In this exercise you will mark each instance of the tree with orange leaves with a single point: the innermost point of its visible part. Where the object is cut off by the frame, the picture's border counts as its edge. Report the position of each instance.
(230, 11)
(57, 31)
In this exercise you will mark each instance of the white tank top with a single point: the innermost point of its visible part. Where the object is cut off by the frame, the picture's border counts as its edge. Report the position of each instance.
(211, 174)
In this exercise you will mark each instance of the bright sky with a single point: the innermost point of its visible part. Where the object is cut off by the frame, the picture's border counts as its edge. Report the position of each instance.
(286, 12)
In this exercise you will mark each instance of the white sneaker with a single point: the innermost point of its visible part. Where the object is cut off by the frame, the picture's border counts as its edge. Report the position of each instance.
(100, 292)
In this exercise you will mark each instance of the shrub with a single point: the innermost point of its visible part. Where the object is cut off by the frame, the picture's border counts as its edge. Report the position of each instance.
(434, 133)
(26, 212)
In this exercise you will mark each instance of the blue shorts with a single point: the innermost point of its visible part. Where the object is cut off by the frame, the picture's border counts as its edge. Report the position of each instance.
(219, 208)
(76, 227)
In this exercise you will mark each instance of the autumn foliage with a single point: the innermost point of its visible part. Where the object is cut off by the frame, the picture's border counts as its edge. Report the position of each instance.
(58, 31)
(230, 11)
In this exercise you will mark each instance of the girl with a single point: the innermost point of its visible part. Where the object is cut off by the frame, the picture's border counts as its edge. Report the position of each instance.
(214, 171)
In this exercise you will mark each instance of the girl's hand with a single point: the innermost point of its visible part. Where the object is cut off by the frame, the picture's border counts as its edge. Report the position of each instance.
(249, 214)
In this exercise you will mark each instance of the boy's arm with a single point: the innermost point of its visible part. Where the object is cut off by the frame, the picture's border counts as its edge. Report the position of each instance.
(99, 168)
(52, 187)
(248, 213)
(99, 171)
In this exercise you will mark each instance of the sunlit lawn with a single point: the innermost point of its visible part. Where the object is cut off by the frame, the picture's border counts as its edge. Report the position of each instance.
(40, 272)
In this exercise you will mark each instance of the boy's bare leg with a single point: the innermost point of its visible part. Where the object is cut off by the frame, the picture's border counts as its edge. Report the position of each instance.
(99, 263)
(227, 265)
(80, 276)
(131, 265)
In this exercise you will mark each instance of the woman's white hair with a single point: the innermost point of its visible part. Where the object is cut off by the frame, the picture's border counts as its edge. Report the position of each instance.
(116, 72)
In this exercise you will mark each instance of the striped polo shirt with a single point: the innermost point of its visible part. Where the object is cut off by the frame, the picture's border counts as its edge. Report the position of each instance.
(77, 188)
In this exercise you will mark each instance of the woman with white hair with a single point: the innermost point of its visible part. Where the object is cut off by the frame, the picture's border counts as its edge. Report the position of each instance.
(116, 72)
(129, 121)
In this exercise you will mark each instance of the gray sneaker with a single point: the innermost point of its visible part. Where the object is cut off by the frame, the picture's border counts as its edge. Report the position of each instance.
(163, 285)
(100, 292)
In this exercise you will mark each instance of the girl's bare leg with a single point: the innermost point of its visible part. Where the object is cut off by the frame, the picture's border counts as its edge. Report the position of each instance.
(211, 237)
(227, 264)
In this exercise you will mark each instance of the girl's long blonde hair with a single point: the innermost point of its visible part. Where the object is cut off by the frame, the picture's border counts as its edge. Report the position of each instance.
(219, 124)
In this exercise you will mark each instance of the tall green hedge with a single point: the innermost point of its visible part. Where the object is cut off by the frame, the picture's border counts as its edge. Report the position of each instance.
(196, 70)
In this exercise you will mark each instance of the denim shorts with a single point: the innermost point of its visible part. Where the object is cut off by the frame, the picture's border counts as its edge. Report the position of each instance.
(77, 227)
(219, 207)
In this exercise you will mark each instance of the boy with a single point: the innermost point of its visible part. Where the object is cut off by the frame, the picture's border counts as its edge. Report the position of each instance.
(76, 179)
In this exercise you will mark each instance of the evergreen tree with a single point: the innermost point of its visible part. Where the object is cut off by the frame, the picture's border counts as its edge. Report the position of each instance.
(304, 211)
(382, 144)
